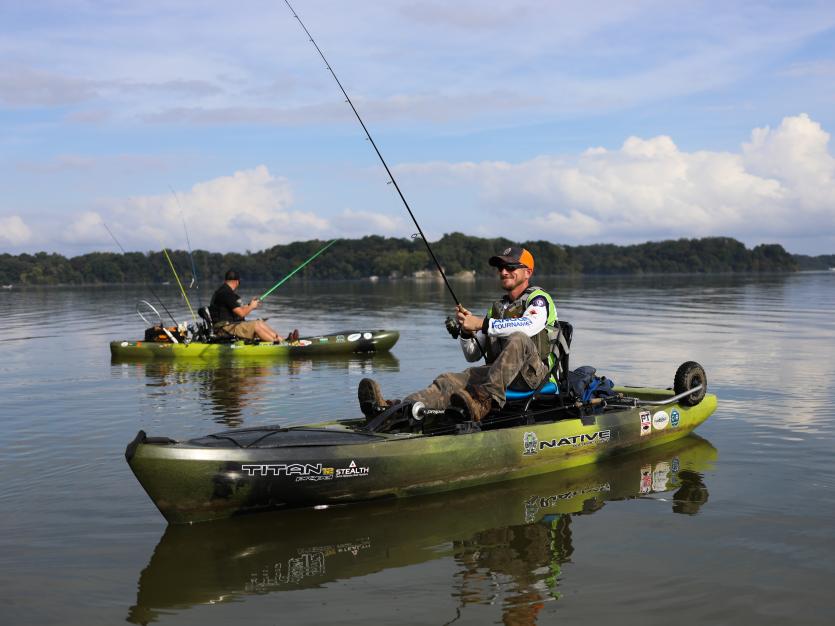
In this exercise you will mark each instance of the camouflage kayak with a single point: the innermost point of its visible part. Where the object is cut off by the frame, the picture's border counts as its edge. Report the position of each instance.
(257, 469)
(346, 342)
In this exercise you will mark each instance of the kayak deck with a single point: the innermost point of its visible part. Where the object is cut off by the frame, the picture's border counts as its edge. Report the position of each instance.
(346, 342)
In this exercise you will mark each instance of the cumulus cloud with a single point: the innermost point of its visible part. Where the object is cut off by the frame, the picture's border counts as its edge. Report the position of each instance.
(360, 223)
(251, 209)
(14, 231)
(780, 184)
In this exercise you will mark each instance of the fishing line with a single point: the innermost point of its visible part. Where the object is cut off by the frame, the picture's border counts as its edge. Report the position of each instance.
(194, 279)
(281, 282)
(382, 160)
(153, 293)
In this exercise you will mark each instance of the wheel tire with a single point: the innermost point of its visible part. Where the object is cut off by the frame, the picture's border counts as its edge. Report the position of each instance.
(689, 375)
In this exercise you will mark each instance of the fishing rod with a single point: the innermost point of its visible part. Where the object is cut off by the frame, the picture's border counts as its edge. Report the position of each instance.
(153, 293)
(182, 290)
(382, 160)
(190, 255)
(281, 282)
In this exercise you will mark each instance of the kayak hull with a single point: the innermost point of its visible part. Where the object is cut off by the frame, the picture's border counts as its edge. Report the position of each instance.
(248, 470)
(346, 342)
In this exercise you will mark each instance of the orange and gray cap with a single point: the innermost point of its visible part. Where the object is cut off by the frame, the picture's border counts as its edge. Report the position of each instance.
(513, 258)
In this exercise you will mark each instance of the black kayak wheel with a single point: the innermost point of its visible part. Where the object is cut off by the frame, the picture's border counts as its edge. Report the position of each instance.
(688, 375)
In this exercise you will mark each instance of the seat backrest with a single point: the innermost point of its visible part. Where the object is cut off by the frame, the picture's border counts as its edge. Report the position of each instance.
(563, 350)
(203, 312)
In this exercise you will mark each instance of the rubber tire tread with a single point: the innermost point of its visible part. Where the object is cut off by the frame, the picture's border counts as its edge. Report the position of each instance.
(688, 375)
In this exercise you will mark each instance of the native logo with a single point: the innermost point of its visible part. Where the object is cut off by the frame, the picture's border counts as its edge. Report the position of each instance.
(660, 420)
(674, 417)
(584, 439)
(530, 443)
(646, 423)
(507, 251)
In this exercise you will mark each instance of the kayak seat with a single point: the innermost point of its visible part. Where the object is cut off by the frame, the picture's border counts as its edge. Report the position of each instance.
(561, 346)
(206, 329)
(548, 389)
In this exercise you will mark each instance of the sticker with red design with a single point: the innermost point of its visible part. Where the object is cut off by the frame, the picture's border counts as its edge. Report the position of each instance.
(646, 423)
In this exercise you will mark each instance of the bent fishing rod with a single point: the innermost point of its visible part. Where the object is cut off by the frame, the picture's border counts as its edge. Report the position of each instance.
(153, 293)
(382, 160)
(286, 278)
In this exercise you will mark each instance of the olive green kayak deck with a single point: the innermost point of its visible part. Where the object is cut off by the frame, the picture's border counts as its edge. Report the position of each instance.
(346, 342)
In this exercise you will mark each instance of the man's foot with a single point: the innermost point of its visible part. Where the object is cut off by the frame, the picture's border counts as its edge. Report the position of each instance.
(293, 335)
(474, 401)
(371, 398)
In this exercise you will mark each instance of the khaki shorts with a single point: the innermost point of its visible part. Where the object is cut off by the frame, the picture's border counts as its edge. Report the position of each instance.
(241, 330)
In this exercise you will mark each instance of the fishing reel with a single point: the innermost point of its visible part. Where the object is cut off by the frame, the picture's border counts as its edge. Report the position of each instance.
(452, 327)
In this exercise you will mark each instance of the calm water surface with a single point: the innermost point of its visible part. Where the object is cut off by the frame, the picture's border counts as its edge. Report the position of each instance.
(734, 526)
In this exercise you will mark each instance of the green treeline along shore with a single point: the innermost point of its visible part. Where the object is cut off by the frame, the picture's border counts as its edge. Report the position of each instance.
(388, 257)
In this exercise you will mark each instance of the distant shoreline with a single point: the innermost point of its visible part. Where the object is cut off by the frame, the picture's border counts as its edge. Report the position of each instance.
(388, 258)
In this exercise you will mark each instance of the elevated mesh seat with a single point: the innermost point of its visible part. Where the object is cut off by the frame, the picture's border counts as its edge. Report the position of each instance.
(559, 371)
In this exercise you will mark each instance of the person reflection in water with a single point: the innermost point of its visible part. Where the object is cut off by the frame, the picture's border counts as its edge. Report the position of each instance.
(527, 559)
(231, 389)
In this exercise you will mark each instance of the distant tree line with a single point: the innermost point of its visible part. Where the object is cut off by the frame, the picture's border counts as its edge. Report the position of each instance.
(822, 262)
(393, 257)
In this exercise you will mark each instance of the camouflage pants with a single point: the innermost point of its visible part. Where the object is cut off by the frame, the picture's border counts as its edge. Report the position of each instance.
(518, 365)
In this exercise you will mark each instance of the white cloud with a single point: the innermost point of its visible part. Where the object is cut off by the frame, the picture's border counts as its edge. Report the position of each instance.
(781, 184)
(352, 223)
(14, 231)
(250, 209)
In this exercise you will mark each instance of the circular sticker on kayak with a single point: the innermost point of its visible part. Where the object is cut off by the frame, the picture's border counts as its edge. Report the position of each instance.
(354, 336)
(124, 343)
(660, 420)
(367, 335)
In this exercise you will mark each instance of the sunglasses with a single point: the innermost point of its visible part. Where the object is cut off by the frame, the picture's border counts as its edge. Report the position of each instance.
(511, 267)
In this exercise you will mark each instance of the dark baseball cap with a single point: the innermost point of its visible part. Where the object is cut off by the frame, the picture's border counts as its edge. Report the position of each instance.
(232, 275)
(513, 258)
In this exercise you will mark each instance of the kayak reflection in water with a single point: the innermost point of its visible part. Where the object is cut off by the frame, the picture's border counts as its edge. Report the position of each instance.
(513, 338)
(228, 313)
(511, 542)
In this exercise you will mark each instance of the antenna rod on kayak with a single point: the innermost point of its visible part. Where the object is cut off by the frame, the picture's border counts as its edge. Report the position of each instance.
(153, 293)
(382, 160)
(282, 281)
(188, 243)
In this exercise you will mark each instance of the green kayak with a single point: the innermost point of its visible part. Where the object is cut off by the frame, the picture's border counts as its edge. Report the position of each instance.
(226, 561)
(406, 454)
(346, 342)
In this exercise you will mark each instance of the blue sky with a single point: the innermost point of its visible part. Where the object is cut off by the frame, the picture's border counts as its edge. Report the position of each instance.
(574, 122)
